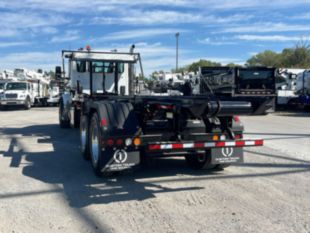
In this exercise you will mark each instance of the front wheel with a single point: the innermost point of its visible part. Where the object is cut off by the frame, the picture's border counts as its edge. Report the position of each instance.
(27, 103)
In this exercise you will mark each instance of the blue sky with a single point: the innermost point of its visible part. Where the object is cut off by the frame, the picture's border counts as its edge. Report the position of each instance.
(33, 32)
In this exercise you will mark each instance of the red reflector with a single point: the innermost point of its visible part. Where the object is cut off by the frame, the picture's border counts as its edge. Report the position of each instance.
(154, 147)
(259, 142)
(240, 143)
(177, 146)
(199, 145)
(110, 142)
(220, 144)
(104, 122)
(119, 142)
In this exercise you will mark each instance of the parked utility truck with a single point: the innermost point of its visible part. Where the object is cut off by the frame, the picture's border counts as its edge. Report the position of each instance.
(17, 94)
(119, 128)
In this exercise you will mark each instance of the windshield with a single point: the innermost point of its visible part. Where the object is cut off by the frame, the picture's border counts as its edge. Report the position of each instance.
(107, 67)
(16, 86)
(2, 85)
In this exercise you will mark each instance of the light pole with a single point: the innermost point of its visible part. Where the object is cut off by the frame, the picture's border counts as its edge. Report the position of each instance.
(177, 52)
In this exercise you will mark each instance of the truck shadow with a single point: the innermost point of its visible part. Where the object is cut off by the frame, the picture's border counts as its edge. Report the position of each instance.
(64, 169)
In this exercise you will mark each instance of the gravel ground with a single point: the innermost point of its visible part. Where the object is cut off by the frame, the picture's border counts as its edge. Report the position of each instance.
(46, 186)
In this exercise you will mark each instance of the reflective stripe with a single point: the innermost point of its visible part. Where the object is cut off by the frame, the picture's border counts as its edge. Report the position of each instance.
(188, 145)
(177, 146)
(167, 146)
(249, 143)
(230, 143)
(199, 145)
(210, 144)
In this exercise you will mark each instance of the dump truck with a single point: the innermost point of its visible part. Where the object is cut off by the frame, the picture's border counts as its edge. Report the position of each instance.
(121, 128)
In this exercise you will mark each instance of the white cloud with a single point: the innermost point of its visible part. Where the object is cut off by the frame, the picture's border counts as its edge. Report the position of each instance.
(31, 60)
(271, 38)
(253, 53)
(22, 20)
(216, 42)
(6, 32)
(253, 4)
(27, 24)
(86, 7)
(138, 34)
(302, 16)
(266, 27)
(70, 35)
(12, 44)
(141, 17)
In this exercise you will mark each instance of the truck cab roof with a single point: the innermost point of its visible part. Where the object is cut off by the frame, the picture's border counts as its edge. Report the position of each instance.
(101, 56)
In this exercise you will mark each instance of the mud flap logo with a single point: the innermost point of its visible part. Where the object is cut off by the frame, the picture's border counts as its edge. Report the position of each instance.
(227, 151)
(120, 156)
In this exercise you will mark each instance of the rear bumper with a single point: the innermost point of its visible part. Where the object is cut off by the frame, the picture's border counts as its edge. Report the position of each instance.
(202, 145)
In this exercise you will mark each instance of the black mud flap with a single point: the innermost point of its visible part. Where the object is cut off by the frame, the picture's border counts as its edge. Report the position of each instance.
(226, 155)
(120, 159)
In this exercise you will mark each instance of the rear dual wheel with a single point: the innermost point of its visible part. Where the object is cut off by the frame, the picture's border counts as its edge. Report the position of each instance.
(200, 161)
(203, 162)
(95, 148)
(95, 145)
(64, 122)
(84, 137)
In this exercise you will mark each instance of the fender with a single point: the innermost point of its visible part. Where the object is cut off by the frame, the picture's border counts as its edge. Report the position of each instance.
(119, 118)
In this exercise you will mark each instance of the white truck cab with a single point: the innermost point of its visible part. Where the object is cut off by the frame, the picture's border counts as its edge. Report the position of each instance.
(17, 94)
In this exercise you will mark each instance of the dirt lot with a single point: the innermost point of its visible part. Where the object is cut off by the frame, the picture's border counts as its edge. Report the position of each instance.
(46, 186)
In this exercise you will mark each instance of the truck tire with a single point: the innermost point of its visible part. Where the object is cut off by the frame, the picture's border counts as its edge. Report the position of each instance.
(95, 147)
(84, 137)
(200, 161)
(63, 123)
(27, 105)
(76, 118)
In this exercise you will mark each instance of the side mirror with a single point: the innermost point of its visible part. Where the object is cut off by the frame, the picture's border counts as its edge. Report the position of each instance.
(58, 72)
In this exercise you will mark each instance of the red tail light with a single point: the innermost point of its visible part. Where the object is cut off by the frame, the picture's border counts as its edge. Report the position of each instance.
(104, 122)
(110, 142)
(119, 142)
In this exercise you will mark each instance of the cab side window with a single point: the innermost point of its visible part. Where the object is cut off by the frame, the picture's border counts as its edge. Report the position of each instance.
(81, 66)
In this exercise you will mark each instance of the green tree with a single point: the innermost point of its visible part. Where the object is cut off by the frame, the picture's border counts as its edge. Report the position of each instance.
(194, 67)
(266, 58)
(296, 57)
